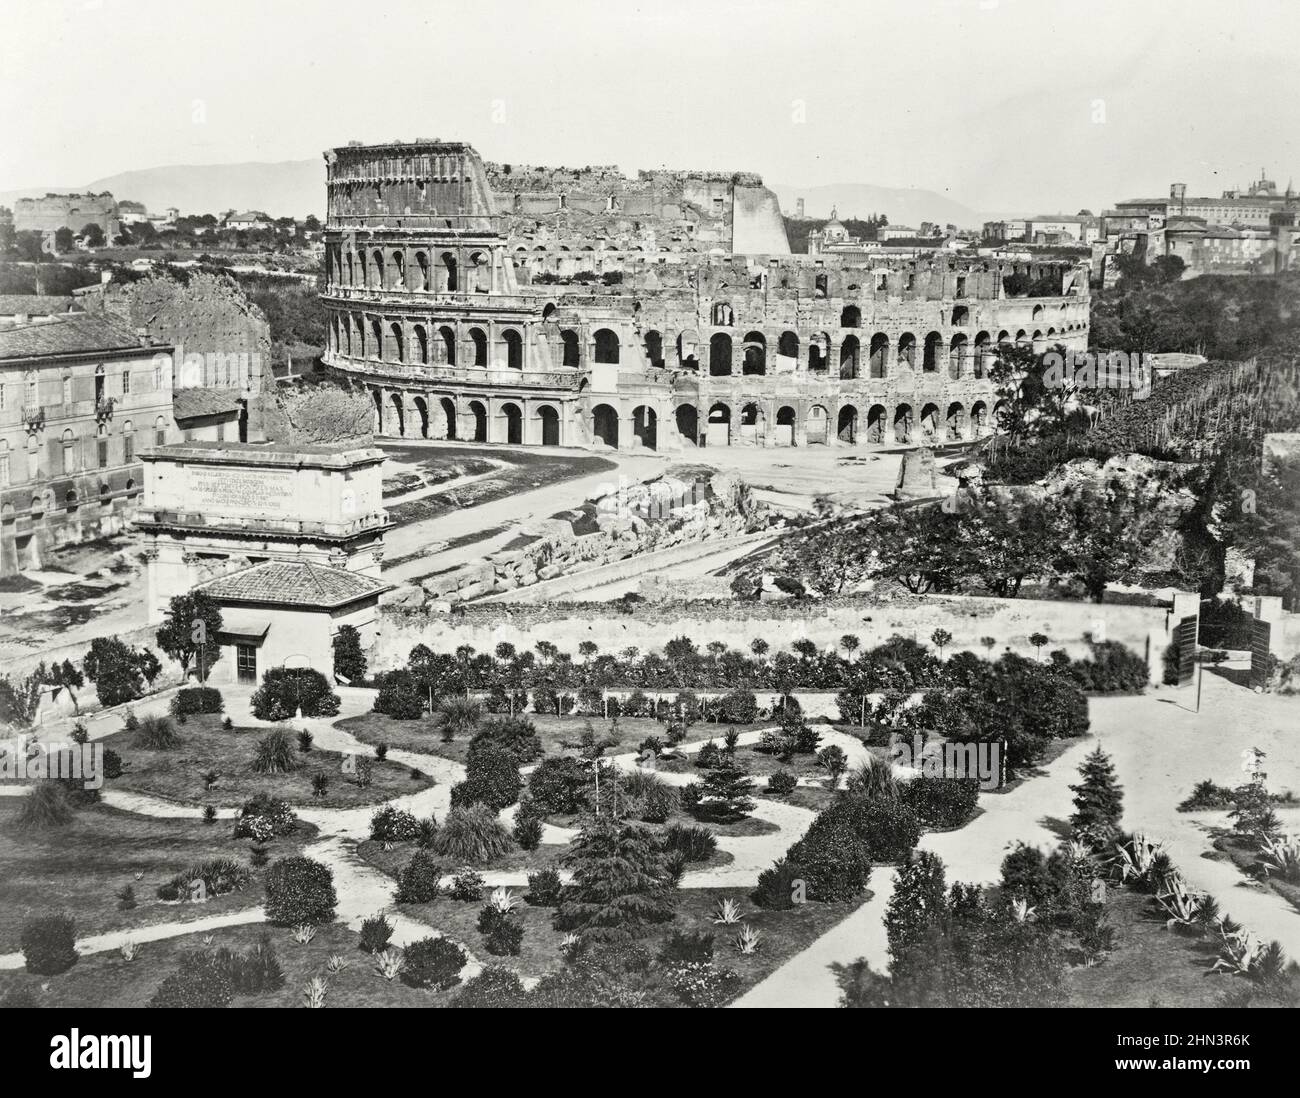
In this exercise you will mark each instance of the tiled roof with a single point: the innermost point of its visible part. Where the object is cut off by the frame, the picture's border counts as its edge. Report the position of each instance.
(78, 333)
(188, 403)
(34, 304)
(294, 583)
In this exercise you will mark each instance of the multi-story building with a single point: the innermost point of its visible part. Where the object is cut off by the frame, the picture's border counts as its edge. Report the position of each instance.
(80, 397)
(442, 311)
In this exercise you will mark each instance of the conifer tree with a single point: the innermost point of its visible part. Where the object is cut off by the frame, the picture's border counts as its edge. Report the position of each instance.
(620, 883)
(1098, 800)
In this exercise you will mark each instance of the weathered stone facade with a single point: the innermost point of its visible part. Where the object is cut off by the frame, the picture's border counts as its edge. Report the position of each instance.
(443, 313)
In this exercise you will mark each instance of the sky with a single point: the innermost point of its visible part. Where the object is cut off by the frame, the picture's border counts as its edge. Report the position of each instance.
(1026, 106)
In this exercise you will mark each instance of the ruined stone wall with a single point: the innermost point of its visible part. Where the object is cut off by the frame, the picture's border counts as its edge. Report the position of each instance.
(309, 413)
(67, 211)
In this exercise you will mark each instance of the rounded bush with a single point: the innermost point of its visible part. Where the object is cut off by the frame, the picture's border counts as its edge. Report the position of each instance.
(432, 963)
(49, 944)
(299, 890)
(418, 883)
(204, 981)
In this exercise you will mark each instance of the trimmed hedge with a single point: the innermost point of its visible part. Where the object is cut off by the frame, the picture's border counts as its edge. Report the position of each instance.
(432, 962)
(299, 890)
(939, 802)
(190, 700)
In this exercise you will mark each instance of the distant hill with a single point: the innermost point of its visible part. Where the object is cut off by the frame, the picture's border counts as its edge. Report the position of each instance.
(290, 188)
(902, 205)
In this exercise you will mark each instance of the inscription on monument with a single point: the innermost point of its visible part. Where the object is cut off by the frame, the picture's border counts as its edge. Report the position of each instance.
(241, 491)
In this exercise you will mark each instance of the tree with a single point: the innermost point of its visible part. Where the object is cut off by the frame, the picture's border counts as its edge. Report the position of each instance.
(118, 671)
(620, 883)
(724, 792)
(941, 638)
(93, 236)
(833, 760)
(190, 631)
(349, 659)
(1098, 801)
(63, 240)
(1038, 640)
(919, 902)
(459, 717)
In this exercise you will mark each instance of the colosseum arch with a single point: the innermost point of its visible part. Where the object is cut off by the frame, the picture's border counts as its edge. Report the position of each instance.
(1000, 413)
(654, 347)
(819, 346)
(1037, 313)
(604, 424)
(572, 348)
(846, 428)
(1021, 338)
(422, 344)
(514, 349)
(549, 419)
(982, 348)
(478, 411)
(421, 271)
(907, 350)
(850, 317)
(687, 418)
(903, 423)
(397, 271)
(930, 361)
(788, 345)
(445, 346)
(979, 412)
(719, 355)
(930, 420)
(376, 279)
(607, 347)
(376, 338)
(956, 421)
(879, 355)
(398, 420)
(422, 410)
(960, 316)
(448, 275)
(957, 351)
(755, 354)
(816, 425)
(849, 358)
(753, 422)
(397, 342)
(722, 315)
(645, 426)
(719, 425)
(479, 273)
(478, 338)
(448, 417)
(876, 423)
(377, 420)
(512, 420)
(786, 422)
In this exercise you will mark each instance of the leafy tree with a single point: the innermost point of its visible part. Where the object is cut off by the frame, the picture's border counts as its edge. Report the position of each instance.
(190, 631)
(620, 883)
(118, 671)
(93, 235)
(1038, 640)
(919, 902)
(941, 638)
(349, 659)
(833, 760)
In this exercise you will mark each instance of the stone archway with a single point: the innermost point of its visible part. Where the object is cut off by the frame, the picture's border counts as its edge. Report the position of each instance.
(846, 427)
(604, 425)
(645, 426)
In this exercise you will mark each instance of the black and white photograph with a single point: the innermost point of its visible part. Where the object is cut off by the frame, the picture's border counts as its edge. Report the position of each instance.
(614, 505)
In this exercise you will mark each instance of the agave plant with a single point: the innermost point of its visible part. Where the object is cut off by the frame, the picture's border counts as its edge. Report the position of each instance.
(1238, 955)
(747, 941)
(1021, 911)
(570, 944)
(1269, 964)
(503, 901)
(728, 913)
(1181, 906)
(336, 963)
(1096, 941)
(388, 964)
(303, 934)
(207, 941)
(1280, 857)
(129, 950)
(1136, 860)
(314, 993)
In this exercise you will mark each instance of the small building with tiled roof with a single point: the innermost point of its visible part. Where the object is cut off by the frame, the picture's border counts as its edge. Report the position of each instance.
(281, 613)
(25, 308)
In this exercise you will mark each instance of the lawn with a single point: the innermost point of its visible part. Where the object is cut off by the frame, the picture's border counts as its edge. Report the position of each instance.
(1244, 857)
(105, 979)
(177, 774)
(1150, 966)
(80, 868)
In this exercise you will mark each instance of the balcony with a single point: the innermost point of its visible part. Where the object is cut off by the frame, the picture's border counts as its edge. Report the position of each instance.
(103, 409)
(33, 418)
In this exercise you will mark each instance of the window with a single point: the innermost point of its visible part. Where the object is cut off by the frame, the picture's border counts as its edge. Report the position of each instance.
(69, 452)
(159, 432)
(67, 388)
(33, 458)
(101, 452)
(99, 384)
(126, 382)
(4, 464)
(32, 400)
(128, 443)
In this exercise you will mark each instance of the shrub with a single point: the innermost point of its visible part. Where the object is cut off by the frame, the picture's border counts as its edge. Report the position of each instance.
(782, 782)
(620, 883)
(494, 988)
(298, 891)
(649, 797)
(419, 881)
(219, 875)
(375, 934)
(547, 700)
(544, 888)
(691, 945)
(112, 764)
(467, 886)
(502, 932)
(739, 707)
(401, 696)
(703, 984)
(558, 786)
(527, 831)
(708, 756)
(1207, 794)
(190, 700)
(275, 753)
(890, 829)
(284, 690)
(349, 659)
(491, 778)
(203, 981)
(472, 835)
(518, 735)
(696, 844)
(833, 853)
(263, 818)
(777, 886)
(724, 794)
(49, 944)
(305, 739)
(255, 973)
(46, 806)
(157, 734)
(433, 963)
(392, 825)
(939, 802)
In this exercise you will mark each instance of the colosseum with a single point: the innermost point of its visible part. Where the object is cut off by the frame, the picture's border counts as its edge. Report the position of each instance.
(561, 307)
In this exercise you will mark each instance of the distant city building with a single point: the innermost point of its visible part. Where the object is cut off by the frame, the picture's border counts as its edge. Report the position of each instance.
(253, 219)
(80, 397)
(67, 211)
(34, 308)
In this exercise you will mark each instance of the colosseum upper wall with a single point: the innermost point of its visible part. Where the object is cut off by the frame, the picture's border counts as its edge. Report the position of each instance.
(526, 315)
